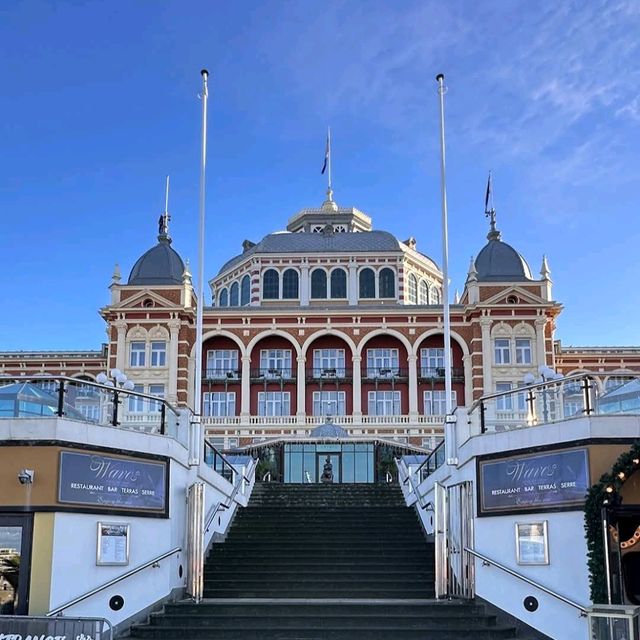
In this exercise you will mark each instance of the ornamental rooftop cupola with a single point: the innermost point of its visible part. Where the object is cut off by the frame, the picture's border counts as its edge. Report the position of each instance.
(328, 255)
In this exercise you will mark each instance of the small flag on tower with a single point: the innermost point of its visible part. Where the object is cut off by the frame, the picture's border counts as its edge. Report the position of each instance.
(486, 197)
(327, 151)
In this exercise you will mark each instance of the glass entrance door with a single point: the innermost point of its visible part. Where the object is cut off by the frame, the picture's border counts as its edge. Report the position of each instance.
(325, 459)
(15, 559)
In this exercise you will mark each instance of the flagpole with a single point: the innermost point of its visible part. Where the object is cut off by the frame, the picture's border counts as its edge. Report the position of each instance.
(449, 427)
(329, 159)
(197, 392)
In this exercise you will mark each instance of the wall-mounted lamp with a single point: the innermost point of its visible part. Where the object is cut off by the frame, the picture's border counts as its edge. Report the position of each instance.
(26, 476)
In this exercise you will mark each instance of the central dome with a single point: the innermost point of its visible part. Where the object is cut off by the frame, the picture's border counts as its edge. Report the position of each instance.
(158, 266)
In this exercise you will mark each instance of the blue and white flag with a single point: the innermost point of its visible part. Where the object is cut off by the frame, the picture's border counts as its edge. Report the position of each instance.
(327, 151)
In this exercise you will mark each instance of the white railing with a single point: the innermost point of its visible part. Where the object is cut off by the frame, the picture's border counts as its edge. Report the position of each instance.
(247, 421)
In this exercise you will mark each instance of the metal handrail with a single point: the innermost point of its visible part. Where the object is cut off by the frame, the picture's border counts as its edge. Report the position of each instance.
(111, 582)
(414, 489)
(232, 497)
(533, 583)
(527, 387)
(433, 454)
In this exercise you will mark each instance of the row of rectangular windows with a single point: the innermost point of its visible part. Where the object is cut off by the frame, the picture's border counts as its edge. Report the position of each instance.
(325, 403)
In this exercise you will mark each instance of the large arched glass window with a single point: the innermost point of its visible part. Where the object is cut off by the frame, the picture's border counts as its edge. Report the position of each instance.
(234, 295)
(338, 283)
(434, 295)
(319, 283)
(423, 292)
(271, 285)
(224, 298)
(387, 283)
(367, 283)
(413, 289)
(245, 291)
(290, 284)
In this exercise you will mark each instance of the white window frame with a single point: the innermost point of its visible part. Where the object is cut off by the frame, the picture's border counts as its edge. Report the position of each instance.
(219, 404)
(158, 351)
(275, 363)
(222, 362)
(329, 403)
(135, 404)
(412, 288)
(502, 351)
(329, 363)
(504, 403)
(384, 403)
(380, 359)
(431, 359)
(524, 352)
(435, 402)
(137, 356)
(158, 390)
(274, 403)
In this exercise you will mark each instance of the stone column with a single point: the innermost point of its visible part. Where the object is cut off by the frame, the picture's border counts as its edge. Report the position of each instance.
(412, 361)
(357, 387)
(245, 387)
(468, 380)
(301, 388)
(121, 348)
(304, 285)
(174, 330)
(353, 283)
(541, 351)
(487, 355)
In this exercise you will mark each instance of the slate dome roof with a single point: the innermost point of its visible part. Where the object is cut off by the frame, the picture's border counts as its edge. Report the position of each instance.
(288, 242)
(160, 265)
(499, 262)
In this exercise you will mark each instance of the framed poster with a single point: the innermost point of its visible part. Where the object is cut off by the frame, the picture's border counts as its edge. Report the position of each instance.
(532, 543)
(113, 543)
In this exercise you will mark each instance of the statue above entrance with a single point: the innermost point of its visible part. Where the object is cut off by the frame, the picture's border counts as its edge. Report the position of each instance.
(327, 472)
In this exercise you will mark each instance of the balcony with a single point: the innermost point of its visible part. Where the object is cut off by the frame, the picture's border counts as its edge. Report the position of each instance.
(386, 374)
(428, 374)
(333, 375)
(273, 374)
(221, 375)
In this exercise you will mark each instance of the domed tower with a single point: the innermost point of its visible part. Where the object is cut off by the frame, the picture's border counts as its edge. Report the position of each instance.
(512, 314)
(150, 320)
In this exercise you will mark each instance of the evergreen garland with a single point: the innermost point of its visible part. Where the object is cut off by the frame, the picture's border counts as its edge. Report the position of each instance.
(606, 492)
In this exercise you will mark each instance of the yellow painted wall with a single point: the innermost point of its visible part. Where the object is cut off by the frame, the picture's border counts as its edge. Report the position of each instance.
(41, 562)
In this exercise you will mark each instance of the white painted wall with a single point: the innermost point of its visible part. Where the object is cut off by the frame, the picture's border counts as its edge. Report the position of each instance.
(74, 570)
(567, 572)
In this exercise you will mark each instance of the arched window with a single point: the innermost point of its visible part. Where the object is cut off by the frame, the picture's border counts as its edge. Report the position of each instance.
(234, 295)
(434, 295)
(245, 291)
(423, 293)
(224, 298)
(413, 288)
(271, 285)
(387, 283)
(319, 283)
(338, 283)
(367, 283)
(290, 284)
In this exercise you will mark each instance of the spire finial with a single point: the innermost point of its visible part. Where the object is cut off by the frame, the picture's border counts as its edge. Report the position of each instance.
(545, 272)
(490, 212)
(163, 221)
(472, 274)
(186, 274)
(117, 276)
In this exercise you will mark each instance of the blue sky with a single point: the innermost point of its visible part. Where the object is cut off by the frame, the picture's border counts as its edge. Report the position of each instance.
(99, 103)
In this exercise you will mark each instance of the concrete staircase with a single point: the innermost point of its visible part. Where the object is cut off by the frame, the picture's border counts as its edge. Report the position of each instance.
(325, 562)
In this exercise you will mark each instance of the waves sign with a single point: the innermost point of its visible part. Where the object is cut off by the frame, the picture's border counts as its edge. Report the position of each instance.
(96, 480)
(557, 480)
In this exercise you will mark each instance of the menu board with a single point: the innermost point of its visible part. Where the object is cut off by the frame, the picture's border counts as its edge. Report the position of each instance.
(113, 543)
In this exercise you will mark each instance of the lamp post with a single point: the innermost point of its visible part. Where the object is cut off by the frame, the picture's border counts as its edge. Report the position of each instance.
(546, 374)
(118, 380)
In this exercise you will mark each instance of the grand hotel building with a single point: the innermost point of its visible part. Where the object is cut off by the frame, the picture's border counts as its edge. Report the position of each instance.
(333, 320)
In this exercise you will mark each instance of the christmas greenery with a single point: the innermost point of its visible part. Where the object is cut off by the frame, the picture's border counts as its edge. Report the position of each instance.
(605, 493)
